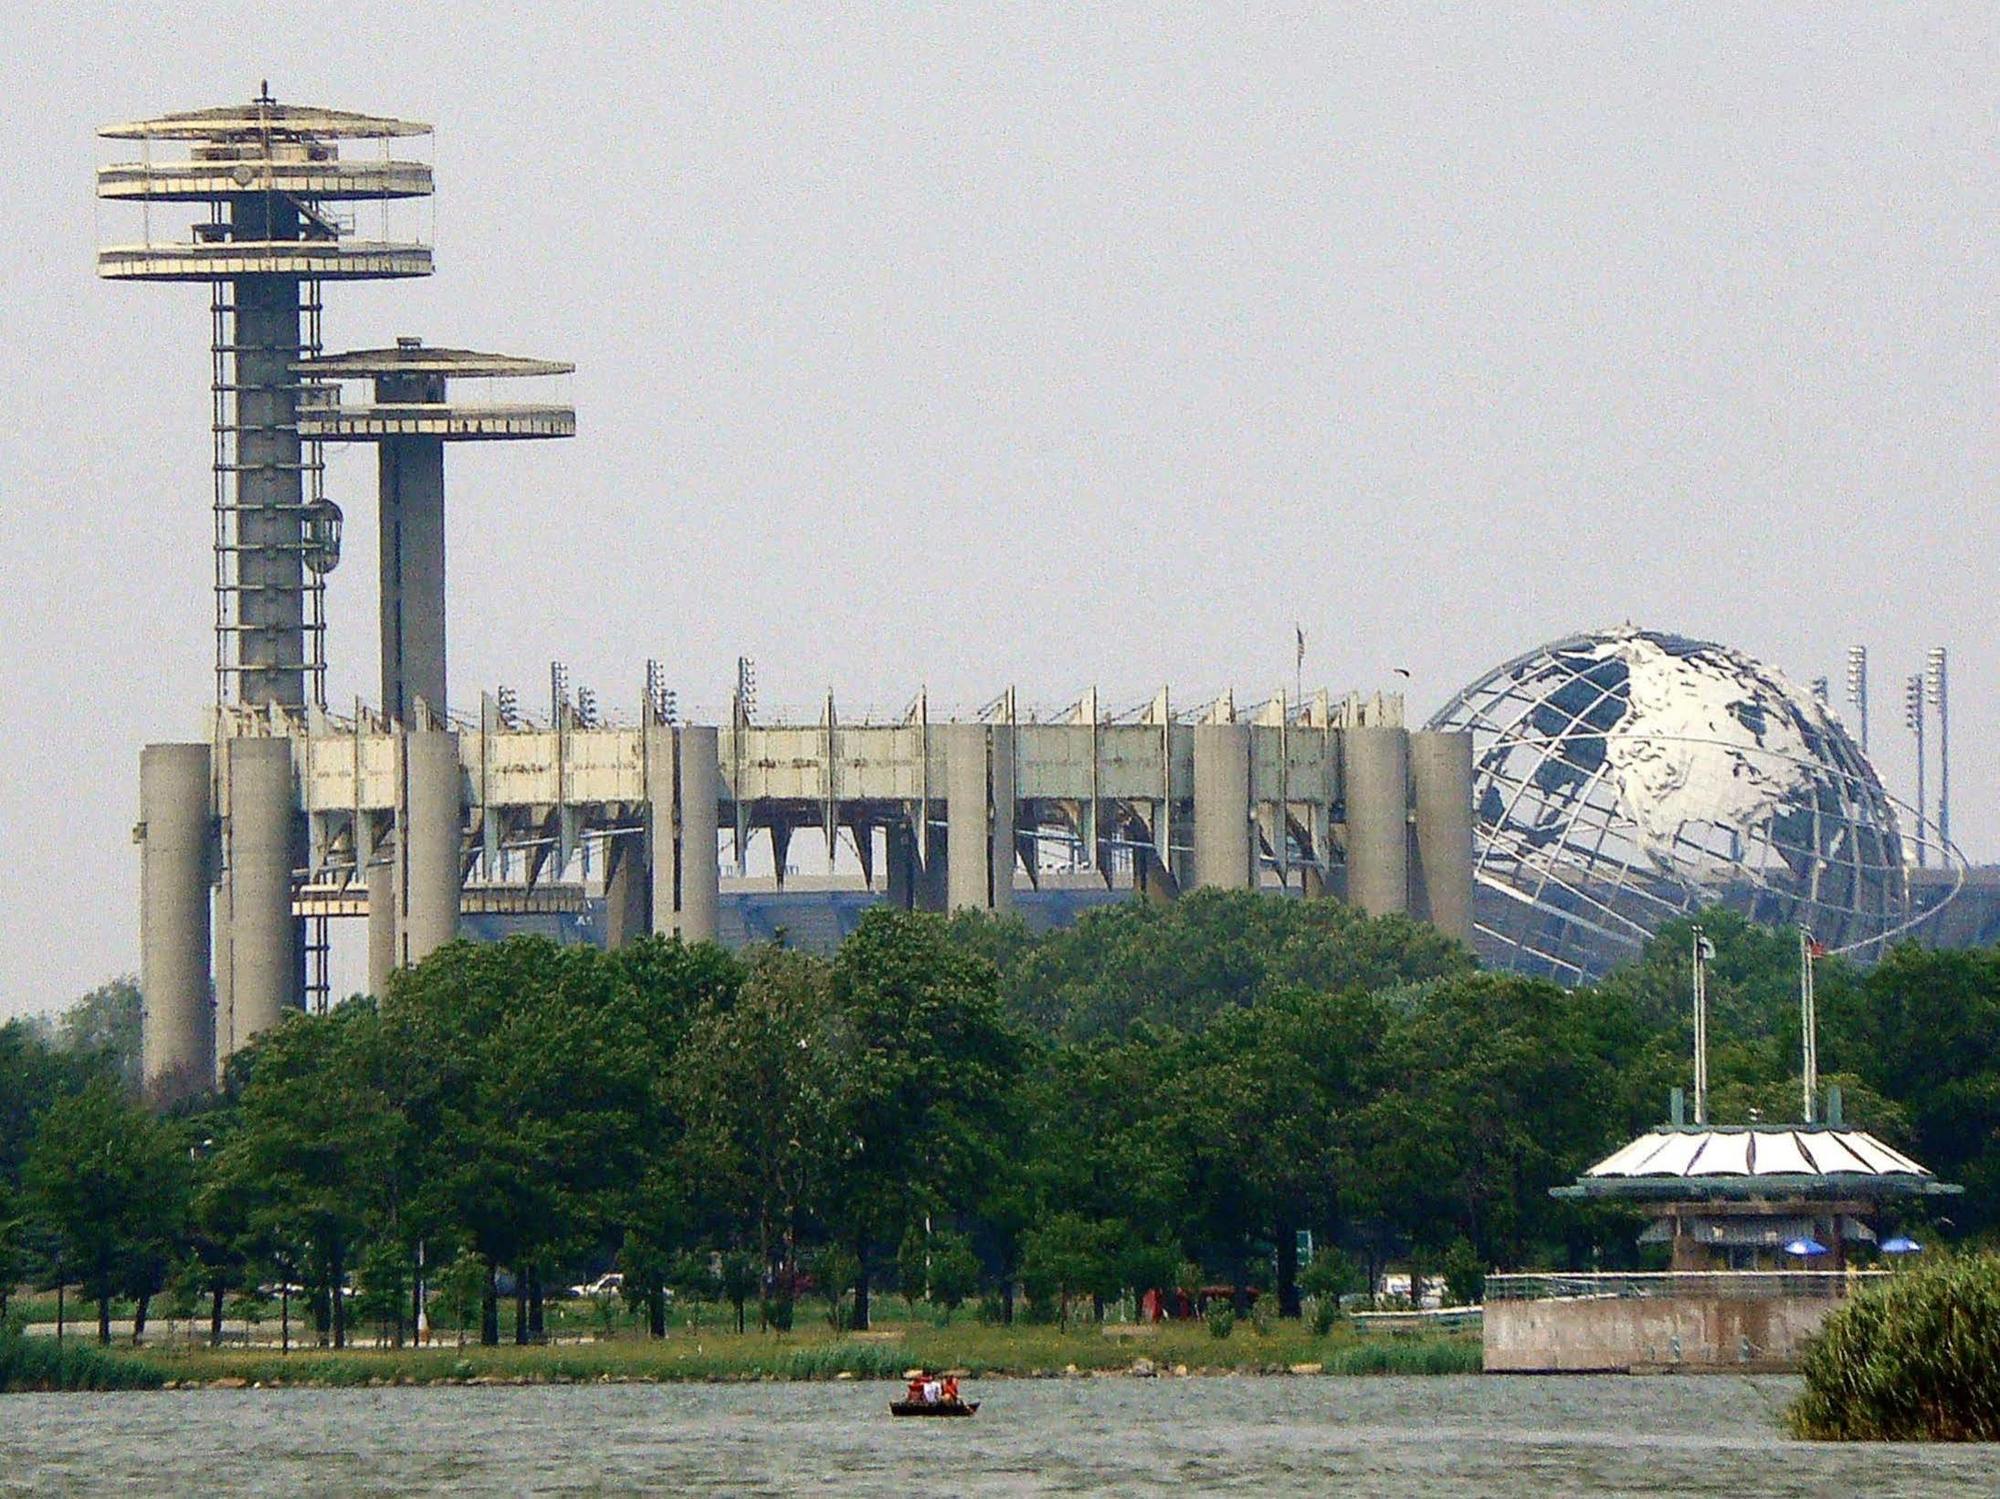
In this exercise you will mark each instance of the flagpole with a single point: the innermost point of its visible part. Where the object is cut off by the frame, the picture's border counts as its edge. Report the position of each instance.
(1808, 1021)
(1700, 1027)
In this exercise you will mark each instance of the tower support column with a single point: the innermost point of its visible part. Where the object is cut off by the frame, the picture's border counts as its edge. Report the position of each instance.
(1375, 784)
(176, 831)
(381, 923)
(1441, 877)
(1001, 851)
(428, 846)
(628, 913)
(971, 859)
(412, 559)
(1222, 846)
(262, 950)
(701, 796)
(684, 780)
(270, 478)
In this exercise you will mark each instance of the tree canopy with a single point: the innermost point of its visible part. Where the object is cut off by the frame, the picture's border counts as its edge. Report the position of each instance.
(1159, 1098)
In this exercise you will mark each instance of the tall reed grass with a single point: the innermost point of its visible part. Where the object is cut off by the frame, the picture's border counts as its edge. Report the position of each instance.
(1914, 1359)
(1406, 1356)
(44, 1364)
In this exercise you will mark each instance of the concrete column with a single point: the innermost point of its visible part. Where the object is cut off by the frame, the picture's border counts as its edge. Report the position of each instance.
(428, 846)
(269, 482)
(176, 825)
(412, 568)
(1222, 806)
(628, 912)
(700, 799)
(969, 855)
(933, 882)
(1000, 792)
(381, 923)
(1151, 880)
(1441, 782)
(663, 819)
(266, 977)
(1375, 781)
(900, 851)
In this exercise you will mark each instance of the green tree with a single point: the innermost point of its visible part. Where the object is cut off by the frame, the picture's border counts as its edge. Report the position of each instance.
(648, 1269)
(13, 1247)
(528, 1077)
(1181, 964)
(741, 1279)
(761, 1082)
(936, 1063)
(1070, 1256)
(1271, 1094)
(110, 1182)
(320, 1155)
(954, 1270)
(1924, 1030)
(105, 1023)
(1486, 1093)
(833, 1271)
(458, 1288)
(33, 1075)
(383, 1293)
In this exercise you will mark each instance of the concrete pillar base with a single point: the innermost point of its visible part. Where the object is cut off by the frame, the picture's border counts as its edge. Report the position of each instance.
(176, 834)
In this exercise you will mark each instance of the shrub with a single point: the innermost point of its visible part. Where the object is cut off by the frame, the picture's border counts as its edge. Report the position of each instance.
(1326, 1312)
(1221, 1321)
(1263, 1316)
(1464, 1274)
(1916, 1359)
(1331, 1275)
(777, 1313)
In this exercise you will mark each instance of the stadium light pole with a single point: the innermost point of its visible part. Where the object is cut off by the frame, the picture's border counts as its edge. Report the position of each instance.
(1936, 684)
(1913, 718)
(1857, 687)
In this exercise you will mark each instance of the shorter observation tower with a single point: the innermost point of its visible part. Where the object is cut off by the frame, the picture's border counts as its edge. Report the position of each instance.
(405, 406)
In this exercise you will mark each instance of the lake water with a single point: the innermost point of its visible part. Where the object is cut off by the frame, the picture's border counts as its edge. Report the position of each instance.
(1471, 1436)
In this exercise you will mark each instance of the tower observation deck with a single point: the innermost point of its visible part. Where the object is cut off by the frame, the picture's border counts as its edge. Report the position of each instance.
(262, 207)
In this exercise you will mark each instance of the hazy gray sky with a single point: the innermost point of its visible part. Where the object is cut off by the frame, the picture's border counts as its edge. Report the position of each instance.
(1046, 345)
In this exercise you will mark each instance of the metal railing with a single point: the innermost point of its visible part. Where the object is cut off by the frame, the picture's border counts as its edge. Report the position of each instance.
(1730, 1285)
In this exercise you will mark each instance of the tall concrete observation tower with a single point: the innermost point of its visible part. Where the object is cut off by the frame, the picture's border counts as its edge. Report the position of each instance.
(267, 206)
(261, 207)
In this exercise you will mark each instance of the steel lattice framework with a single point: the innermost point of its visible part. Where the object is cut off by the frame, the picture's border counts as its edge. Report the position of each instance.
(1626, 777)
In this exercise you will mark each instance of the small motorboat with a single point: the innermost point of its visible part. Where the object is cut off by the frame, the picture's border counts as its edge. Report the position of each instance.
(933, 1407)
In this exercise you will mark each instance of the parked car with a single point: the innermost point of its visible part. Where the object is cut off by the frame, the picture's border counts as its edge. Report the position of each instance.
(604, 1285)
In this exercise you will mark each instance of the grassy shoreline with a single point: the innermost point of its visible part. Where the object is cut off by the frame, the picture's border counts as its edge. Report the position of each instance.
(981, 1352)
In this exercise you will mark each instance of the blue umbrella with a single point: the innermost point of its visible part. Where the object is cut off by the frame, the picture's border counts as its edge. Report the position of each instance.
(1900, 1245)
(1805, 1247)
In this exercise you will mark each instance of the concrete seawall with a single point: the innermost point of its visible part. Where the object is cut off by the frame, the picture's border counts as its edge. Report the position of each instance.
(1689, 1334)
